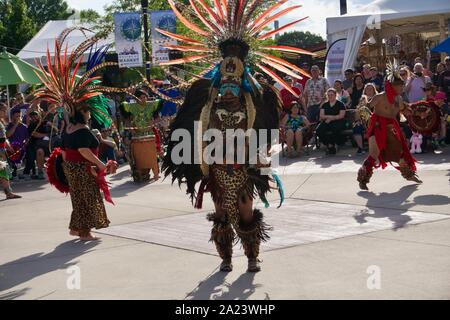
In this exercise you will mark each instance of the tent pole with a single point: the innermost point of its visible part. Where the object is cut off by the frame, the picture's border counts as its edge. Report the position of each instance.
(442, 33)
(8, 103)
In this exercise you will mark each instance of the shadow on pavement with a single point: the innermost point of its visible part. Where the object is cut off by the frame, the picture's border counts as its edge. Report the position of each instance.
(14, 294)
(216, 288)
(397, 200)
(24, 269)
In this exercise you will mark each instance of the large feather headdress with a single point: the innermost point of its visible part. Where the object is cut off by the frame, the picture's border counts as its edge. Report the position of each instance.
(235, 24)
(62, 85)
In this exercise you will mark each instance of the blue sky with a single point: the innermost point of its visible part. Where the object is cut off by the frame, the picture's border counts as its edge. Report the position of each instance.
(317, 10)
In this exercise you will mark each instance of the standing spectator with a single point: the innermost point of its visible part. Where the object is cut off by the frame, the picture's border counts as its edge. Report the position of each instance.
(416, 83)
(305, 79)
(17, 134)
(366, 73)
(376, 78)
(444, 79)
(426, 70)
(405, 74)
(342, 95)
(315, 91)
(169, 108)
(20, 105)
(356, 90)
(287, 97)
(439, 69)
(4, 145)
(348, 82)
(332, 123)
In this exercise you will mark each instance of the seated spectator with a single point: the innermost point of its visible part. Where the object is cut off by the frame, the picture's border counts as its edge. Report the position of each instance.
(440, 100)
(416, 83)
(332, 123)
(342, 94)
(38, 145)
(294, 124)
(17, 134)
(430, 91)
(356, 90)
(359, 126)
(107, 147)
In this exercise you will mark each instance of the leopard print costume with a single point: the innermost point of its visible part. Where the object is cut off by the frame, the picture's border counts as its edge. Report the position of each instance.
(87, 202)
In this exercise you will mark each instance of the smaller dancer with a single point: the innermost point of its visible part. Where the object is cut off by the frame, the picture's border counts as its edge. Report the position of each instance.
(386, 140)
(5, 171)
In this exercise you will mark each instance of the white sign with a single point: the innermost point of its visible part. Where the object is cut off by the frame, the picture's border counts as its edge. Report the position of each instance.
(334, 61)
(164, 20)
(128, 39)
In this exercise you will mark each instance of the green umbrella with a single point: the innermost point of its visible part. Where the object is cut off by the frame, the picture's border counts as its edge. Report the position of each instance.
(15, 71)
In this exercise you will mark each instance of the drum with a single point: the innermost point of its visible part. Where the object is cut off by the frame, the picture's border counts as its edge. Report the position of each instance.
(143, 150)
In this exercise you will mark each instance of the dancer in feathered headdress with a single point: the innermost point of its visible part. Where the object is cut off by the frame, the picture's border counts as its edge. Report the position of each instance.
(386, 140)
(77, 169)
(231, 32)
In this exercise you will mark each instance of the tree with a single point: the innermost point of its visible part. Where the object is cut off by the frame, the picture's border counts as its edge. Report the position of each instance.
(17, 27)
(41, 11)
(89, 15)
(299, 39)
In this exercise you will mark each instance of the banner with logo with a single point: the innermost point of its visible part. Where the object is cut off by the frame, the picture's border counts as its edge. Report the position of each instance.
(127, 32)
(334, 61)
(165, 20)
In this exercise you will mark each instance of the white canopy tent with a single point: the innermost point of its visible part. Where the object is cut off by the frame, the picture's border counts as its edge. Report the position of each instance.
(45, 38)
(388, 17)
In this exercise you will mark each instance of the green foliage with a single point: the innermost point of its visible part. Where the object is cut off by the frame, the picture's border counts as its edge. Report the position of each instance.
(21, 19)
(17, 27)
(89, 15)
(41, 11)
(299, 39)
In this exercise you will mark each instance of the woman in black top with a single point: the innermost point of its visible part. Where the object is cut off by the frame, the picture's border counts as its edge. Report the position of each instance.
(81, 166)
(332, 123)
(356, 91)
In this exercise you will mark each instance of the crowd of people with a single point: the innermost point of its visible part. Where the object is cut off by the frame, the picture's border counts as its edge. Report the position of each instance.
(339, 111)
(323, 114)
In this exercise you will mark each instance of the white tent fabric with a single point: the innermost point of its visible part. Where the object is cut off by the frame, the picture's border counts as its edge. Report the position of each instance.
(352, 26)
(45, 38)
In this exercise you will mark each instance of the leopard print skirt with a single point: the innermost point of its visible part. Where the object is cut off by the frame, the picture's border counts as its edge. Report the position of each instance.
(227, 188)
(87, 202)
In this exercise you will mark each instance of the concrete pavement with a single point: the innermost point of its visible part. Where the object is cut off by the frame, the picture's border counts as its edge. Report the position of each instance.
(331, 241)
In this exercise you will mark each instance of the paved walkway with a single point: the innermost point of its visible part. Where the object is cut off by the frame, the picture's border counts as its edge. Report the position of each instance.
(330, 240)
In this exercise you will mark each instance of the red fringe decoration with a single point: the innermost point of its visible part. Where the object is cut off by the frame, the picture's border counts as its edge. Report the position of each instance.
(51, 172)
